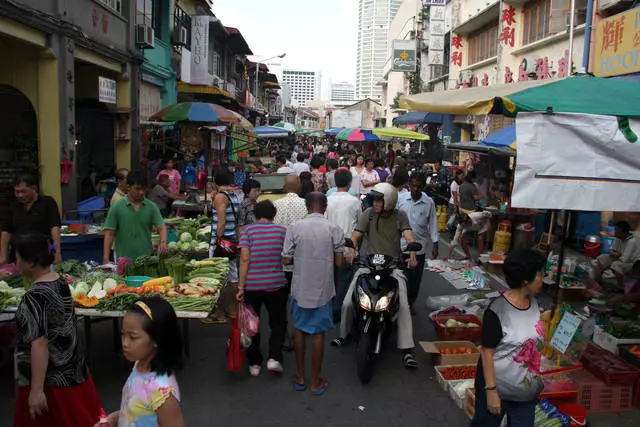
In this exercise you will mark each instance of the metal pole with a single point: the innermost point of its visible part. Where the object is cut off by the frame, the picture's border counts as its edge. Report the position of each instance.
(587, 36)
(257, 71)
(571, 27)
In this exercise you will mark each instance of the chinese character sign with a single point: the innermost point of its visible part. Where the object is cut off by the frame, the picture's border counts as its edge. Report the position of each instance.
(436, 37)
(617, 43)
(508, 30)
(106, 90)
(456, 49)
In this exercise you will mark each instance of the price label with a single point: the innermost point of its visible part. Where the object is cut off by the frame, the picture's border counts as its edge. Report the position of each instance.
(565, 331)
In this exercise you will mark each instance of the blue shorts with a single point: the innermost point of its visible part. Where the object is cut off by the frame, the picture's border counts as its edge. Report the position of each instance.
(312, 321)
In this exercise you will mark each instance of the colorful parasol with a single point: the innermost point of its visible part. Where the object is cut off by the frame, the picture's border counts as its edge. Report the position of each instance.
(333, 131)
(400, 133)
(357, 135)
(199, 112)
(288, 126)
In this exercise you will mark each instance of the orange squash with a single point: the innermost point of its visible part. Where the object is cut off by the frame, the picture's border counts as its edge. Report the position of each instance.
(86, 302)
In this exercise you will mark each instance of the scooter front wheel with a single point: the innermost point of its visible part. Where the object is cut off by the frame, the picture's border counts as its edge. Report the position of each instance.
(365, 358)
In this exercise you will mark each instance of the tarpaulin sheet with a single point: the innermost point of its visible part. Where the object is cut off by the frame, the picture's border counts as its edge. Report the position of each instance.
(576, 162)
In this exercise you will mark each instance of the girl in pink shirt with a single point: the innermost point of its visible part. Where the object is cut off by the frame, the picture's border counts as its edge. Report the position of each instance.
(174, 176)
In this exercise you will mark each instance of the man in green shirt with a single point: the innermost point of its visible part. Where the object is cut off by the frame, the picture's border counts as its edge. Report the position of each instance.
(130, 221)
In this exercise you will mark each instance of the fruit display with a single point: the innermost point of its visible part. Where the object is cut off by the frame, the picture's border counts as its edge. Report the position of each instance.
(459, 350)
(461, 372)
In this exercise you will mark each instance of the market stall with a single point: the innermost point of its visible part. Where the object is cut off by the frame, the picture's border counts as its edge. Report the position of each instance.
(100, 293)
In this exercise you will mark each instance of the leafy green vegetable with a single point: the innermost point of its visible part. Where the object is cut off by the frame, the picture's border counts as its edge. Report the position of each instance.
(72, 267)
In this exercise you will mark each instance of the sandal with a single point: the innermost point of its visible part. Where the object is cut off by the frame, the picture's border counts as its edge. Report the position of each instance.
(298, 386)
(214, 320)
(338, 342)
(320, 391)
(409, 361)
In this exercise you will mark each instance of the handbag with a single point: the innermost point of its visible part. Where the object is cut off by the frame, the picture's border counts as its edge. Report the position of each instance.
(225, 248)
(235, 352)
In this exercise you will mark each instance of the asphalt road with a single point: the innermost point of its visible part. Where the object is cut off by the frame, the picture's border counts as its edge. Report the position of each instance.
(213, 396)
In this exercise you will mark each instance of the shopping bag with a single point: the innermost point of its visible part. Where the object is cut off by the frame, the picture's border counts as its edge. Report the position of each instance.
(250, 320)
(235, 352)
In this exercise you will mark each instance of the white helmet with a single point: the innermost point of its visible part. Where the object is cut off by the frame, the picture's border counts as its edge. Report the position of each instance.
(387, 192)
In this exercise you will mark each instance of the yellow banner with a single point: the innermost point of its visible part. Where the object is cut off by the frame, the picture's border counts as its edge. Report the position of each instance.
(617, 48)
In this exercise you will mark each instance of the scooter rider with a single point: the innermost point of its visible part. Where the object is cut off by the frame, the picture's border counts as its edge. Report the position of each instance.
(382, 226)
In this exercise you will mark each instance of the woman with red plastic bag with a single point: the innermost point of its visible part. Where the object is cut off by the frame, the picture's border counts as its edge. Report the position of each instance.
(54, 385)
(262, 281)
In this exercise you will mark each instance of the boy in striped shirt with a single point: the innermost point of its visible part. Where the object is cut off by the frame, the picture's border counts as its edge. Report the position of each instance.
(262, 281)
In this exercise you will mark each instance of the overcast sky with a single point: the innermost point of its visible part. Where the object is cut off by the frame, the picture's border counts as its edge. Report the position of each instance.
(318, 35)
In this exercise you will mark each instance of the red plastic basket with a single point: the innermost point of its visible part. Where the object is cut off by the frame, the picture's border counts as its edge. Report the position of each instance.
(611, 369)
(597, 397)
(456, 333)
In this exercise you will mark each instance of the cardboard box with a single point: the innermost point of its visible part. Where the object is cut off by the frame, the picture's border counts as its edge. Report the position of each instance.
(608, 341)
(451, 359)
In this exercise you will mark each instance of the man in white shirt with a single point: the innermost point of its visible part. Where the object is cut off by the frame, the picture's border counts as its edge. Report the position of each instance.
(282, 166)
(290, 209)
(300, 166)
(343, 210)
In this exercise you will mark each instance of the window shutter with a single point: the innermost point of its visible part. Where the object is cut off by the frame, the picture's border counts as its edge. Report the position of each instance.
(559, 15)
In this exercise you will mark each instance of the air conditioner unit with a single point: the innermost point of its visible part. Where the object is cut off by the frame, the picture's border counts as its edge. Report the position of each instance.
(530, 64)
(179, 36)
(145, 37)
(608, 4)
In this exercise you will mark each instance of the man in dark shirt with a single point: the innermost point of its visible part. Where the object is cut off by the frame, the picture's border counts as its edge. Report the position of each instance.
(30, 212)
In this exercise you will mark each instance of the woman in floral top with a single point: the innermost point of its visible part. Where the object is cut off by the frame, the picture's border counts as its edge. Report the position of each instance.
(508, 376)
(318, 178)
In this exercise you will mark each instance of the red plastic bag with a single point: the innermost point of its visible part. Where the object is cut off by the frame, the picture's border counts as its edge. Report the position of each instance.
(250, 320)
(235, 352)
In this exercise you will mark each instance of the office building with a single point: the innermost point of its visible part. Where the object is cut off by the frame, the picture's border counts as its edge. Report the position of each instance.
(374, 19)
(305, 85)
(342, 94)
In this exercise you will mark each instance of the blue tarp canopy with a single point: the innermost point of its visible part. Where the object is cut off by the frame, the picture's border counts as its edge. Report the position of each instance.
(418, 118)
(503, 138)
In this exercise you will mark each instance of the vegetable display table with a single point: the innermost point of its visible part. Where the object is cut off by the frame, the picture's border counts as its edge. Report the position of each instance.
(91, 315)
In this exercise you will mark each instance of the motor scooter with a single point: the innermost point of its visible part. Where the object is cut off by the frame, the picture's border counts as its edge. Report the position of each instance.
(376, 302)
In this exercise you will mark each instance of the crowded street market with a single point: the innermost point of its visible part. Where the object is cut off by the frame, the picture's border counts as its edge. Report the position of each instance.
(195, 232)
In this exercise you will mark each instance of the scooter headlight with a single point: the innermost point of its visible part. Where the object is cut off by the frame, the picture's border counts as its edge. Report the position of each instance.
(365, 301)
(383, 303)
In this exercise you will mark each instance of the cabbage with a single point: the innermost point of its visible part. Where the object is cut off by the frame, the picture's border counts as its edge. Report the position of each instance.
(97, 287)
(173, 246)
(185, 246)
(109, 284)
(81, 289)
(186, 237)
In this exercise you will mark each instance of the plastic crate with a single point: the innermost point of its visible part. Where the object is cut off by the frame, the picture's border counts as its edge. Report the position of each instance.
(625, 353)
(611, 369)
(458, 333)
(597, 397)
(458, 398)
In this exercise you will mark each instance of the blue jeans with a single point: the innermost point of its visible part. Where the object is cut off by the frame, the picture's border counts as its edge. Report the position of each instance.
(519, 414)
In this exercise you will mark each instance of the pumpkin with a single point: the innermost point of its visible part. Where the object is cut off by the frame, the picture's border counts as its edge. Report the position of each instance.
(84, 301)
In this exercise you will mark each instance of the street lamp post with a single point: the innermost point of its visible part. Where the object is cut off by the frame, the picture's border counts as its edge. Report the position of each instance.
(258, 69)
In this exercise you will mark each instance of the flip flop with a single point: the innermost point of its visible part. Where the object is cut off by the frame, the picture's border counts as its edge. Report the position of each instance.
(321, 390)
(214, 320)
(299, 386)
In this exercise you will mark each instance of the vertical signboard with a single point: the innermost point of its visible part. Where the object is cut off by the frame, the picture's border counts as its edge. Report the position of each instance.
(404, 56)
(200, 50)
(436, 35)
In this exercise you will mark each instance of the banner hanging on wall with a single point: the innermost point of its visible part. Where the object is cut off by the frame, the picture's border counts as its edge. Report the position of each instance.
(576, 162)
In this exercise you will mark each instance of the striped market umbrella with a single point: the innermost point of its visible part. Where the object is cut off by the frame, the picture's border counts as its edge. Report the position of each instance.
(357, 135)
(199, 112)
(269, 132)
(333, 131)
(288, 126)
